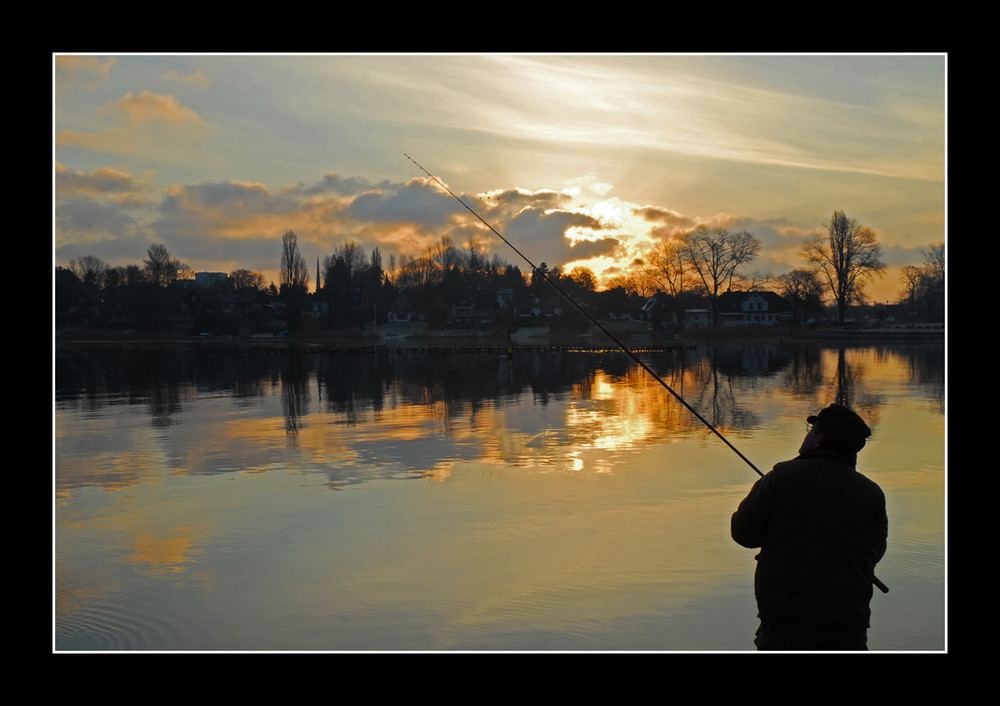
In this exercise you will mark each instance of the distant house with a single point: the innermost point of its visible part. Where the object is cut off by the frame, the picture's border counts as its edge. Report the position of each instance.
(85, 302)
(485, 304)
(505, 298)
(402, 309)
(315, 308)
(743, 309)
(461, 313)
(626, 310)
(205, 279)
(753, 309)
(697, 318)
(546, 307)
(662, 310)
(476, 307)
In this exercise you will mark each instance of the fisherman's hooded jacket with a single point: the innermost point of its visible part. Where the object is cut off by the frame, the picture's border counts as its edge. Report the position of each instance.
(821, 527)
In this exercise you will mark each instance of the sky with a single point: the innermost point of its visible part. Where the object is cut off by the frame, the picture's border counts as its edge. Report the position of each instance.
(577, 159)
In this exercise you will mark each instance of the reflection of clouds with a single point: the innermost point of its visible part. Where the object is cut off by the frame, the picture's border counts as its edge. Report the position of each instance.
(157, 554)
(417, 416)
(601, 490)
(112, 451)
(161, 532)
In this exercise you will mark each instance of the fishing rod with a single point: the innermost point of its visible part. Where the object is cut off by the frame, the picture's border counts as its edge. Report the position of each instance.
(545, 275)
(591, 319)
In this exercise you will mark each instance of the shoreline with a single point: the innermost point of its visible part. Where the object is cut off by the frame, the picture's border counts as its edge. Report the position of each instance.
(415, 337)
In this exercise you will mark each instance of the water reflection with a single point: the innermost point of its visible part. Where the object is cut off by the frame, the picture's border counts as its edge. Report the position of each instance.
(326, 399)
(559, 500)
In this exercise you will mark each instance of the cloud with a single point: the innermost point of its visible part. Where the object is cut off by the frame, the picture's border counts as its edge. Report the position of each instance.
(225, 219)
(97, 207)
(333, 183)
(228, 210)
(197, 79)
(94, 142)
(418, 201)
(102, 183)
(83, 69)
(85, 223)
(240, 223)
(541, 235)
(148, 108)
(666, 222)
(578, 159)
(511, 201)
(609, 247)
(155, 125)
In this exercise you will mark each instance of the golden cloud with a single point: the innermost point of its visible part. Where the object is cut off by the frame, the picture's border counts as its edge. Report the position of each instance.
(87, 68)
(152, 108)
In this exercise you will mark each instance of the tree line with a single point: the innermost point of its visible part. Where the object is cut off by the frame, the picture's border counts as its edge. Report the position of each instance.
(356, 288)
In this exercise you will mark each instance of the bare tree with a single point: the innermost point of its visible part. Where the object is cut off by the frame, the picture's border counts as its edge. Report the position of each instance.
(757, 282)
(667, 267)
(848, 257)
(716, 256)
(583, 278)
(803, 290)
(90, 269)
(475, 259)
(162, 269)
(245, 279)
(341, 268)
(934, 263)
(912, 279)
(246, 284)
(375, 262)
(445, 254)
(353, 256)
(294, 279)
(920, 282)
(125, 276)
(294, 273)
(636, 282)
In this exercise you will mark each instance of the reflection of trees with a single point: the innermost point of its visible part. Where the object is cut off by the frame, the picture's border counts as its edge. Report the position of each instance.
(721, 382)
(848, 387)
(295, 391)
(163, 384)
(823, 375)
(926, 369)
(349, 384)
(165, 401)
(421, 410)
(803, 374)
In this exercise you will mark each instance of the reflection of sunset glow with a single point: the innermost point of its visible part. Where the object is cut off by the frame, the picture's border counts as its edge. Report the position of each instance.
(609, 413)
(621, 421)
(159, 555)
(568, 500)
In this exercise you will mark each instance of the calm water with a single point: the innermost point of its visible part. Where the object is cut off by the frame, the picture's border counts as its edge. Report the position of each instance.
(419, 502)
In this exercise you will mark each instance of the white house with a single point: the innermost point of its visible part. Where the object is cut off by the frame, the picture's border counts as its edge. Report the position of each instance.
(744, 309)
(697, 318)
(757, 309)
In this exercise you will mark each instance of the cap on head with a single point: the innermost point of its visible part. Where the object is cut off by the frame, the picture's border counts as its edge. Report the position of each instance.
(843, 425)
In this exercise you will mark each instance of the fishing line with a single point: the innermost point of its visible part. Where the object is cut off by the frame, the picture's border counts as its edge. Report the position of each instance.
(881, 586)
(592, 320)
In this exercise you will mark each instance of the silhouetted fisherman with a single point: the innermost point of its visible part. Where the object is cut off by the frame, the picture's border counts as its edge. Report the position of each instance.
(821, 527)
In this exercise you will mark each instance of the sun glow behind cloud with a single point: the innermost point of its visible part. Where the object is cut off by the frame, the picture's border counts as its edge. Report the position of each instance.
(624, 239)
(217, 156)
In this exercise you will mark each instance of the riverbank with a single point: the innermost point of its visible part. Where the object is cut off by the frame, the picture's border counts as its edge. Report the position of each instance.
(820, 333)
(636, 336)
